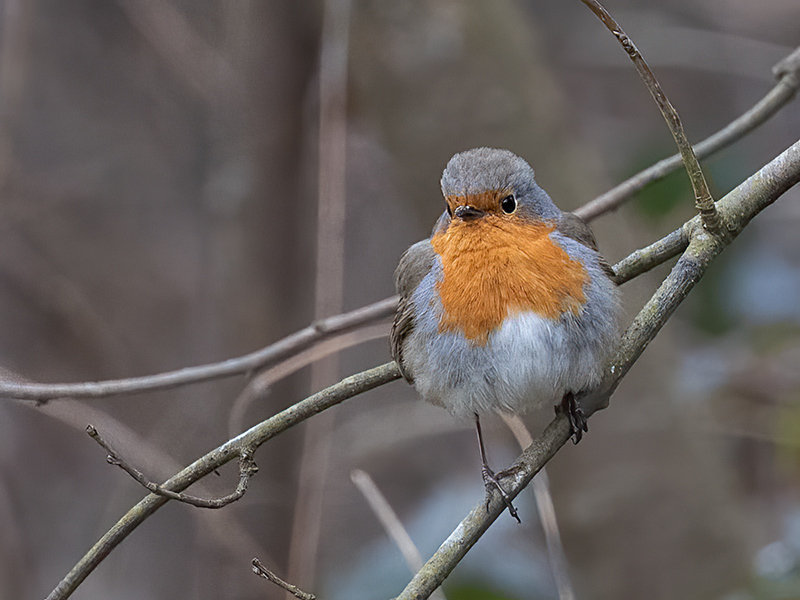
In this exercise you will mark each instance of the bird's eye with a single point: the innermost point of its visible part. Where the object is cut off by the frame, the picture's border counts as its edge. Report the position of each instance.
(508, 204)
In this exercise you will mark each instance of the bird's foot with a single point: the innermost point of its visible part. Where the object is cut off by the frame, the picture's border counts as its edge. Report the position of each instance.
(492, 482)
(570, 406)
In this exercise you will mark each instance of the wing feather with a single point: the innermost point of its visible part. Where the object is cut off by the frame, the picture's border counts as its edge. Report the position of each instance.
(572, 226)
(415, 263)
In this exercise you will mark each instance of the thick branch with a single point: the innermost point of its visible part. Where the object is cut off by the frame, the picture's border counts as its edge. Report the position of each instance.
(252, 438)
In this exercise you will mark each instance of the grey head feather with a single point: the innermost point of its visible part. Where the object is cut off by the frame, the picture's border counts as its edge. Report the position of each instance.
(485, 169)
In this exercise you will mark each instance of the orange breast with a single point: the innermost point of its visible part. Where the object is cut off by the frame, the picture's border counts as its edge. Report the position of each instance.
(498, 266)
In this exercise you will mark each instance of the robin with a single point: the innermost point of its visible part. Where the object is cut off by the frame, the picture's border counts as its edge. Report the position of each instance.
(508, 305)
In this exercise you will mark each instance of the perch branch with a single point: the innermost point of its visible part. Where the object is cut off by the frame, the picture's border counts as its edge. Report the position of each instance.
(703, 200)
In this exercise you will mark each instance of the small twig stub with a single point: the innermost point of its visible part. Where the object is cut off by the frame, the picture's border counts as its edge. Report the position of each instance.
(262, 571)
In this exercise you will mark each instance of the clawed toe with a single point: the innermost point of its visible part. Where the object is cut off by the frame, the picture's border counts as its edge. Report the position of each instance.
(492, 482)
(577, 420)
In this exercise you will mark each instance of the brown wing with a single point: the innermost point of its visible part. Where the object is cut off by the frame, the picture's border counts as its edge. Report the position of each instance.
(415, 263)
(572, 226)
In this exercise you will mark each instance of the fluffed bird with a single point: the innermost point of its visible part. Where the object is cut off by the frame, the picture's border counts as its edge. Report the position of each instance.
(508, 305)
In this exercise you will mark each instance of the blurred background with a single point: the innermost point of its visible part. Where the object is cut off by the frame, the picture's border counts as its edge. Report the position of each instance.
(186, 181)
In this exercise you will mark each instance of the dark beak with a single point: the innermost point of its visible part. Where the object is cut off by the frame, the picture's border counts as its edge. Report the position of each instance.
(468, 213)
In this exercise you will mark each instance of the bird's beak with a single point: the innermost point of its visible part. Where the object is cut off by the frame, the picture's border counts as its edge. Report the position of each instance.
(468, 213)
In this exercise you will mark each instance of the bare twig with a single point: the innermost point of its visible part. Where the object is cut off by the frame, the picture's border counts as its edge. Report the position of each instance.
(788, 73)
(737, 208)
(262, 571)
(703, 200)
(292, 345)
(388, 518)
(252, 438)
(269, 355)
(247, 468)
(391, 522)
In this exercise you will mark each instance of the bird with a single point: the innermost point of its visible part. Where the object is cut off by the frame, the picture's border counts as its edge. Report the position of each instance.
(508, 305)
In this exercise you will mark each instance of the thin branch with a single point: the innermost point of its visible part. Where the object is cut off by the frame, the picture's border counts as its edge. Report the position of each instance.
(703, 200)
(391, 523)
(291, 344)
(642, 260)
(258, 387)
(738, 207)
(247, 468)
(788, 73)
(252, 438)
(262, 571)
(388, 518)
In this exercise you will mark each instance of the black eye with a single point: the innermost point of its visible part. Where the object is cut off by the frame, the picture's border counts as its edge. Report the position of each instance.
(508, 204)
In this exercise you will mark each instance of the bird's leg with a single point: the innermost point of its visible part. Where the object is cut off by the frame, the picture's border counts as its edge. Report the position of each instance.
(570, 406)
(490, 480)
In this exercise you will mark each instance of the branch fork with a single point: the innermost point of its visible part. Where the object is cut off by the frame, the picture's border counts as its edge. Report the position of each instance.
(247, 468)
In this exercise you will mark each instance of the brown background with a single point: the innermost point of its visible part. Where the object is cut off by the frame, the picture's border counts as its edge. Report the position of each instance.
(158, 177)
